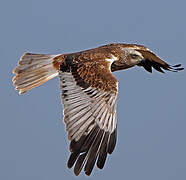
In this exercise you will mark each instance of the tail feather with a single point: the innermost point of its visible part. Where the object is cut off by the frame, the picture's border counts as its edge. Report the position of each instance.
(33, 70)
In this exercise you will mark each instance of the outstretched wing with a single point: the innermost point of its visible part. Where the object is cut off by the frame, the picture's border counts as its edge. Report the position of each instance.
(89, 95)
(151, 60)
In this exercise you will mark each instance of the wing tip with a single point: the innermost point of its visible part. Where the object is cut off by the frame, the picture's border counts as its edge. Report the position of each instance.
(175, 68)
(148, 65)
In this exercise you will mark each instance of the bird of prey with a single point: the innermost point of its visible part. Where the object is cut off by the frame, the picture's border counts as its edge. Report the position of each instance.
(89, 94)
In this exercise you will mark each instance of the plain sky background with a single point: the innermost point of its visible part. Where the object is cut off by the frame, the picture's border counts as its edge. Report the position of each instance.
(151, 110)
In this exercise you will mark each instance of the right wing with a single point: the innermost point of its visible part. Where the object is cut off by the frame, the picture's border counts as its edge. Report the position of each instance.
(89, 113)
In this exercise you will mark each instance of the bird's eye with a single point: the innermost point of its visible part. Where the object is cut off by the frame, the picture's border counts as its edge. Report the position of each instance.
(133, 56)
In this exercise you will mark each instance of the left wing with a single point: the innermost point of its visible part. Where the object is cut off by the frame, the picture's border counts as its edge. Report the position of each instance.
(89, 95)
(151, 60)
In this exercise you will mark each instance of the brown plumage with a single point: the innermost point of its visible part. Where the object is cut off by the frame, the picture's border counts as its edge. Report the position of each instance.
(89, 94)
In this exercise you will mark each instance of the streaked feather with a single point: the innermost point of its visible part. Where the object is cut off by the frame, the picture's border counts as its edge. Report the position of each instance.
(33, 70)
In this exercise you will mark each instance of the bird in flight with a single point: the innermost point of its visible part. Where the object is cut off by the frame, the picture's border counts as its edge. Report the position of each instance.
(89, 94)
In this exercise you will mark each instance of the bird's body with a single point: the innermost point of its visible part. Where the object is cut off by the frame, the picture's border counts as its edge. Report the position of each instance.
(89, 94)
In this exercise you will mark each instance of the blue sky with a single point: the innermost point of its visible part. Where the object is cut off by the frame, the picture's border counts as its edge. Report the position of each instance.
(151, 110)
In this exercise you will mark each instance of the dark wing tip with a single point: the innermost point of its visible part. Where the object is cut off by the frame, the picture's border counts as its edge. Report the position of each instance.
(79, 164)
(175, 68)
(112, 142)
(72, 159)
(148, 65)
(103, 152)
(93, 153)
(85, 151)
(91, 148)
(152, 60)
(177, 65)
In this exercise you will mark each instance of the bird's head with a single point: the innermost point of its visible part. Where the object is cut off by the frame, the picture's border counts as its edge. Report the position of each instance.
(128, 57)
(131, 57)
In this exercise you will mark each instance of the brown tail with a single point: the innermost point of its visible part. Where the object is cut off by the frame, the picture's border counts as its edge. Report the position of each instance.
(33, 70)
